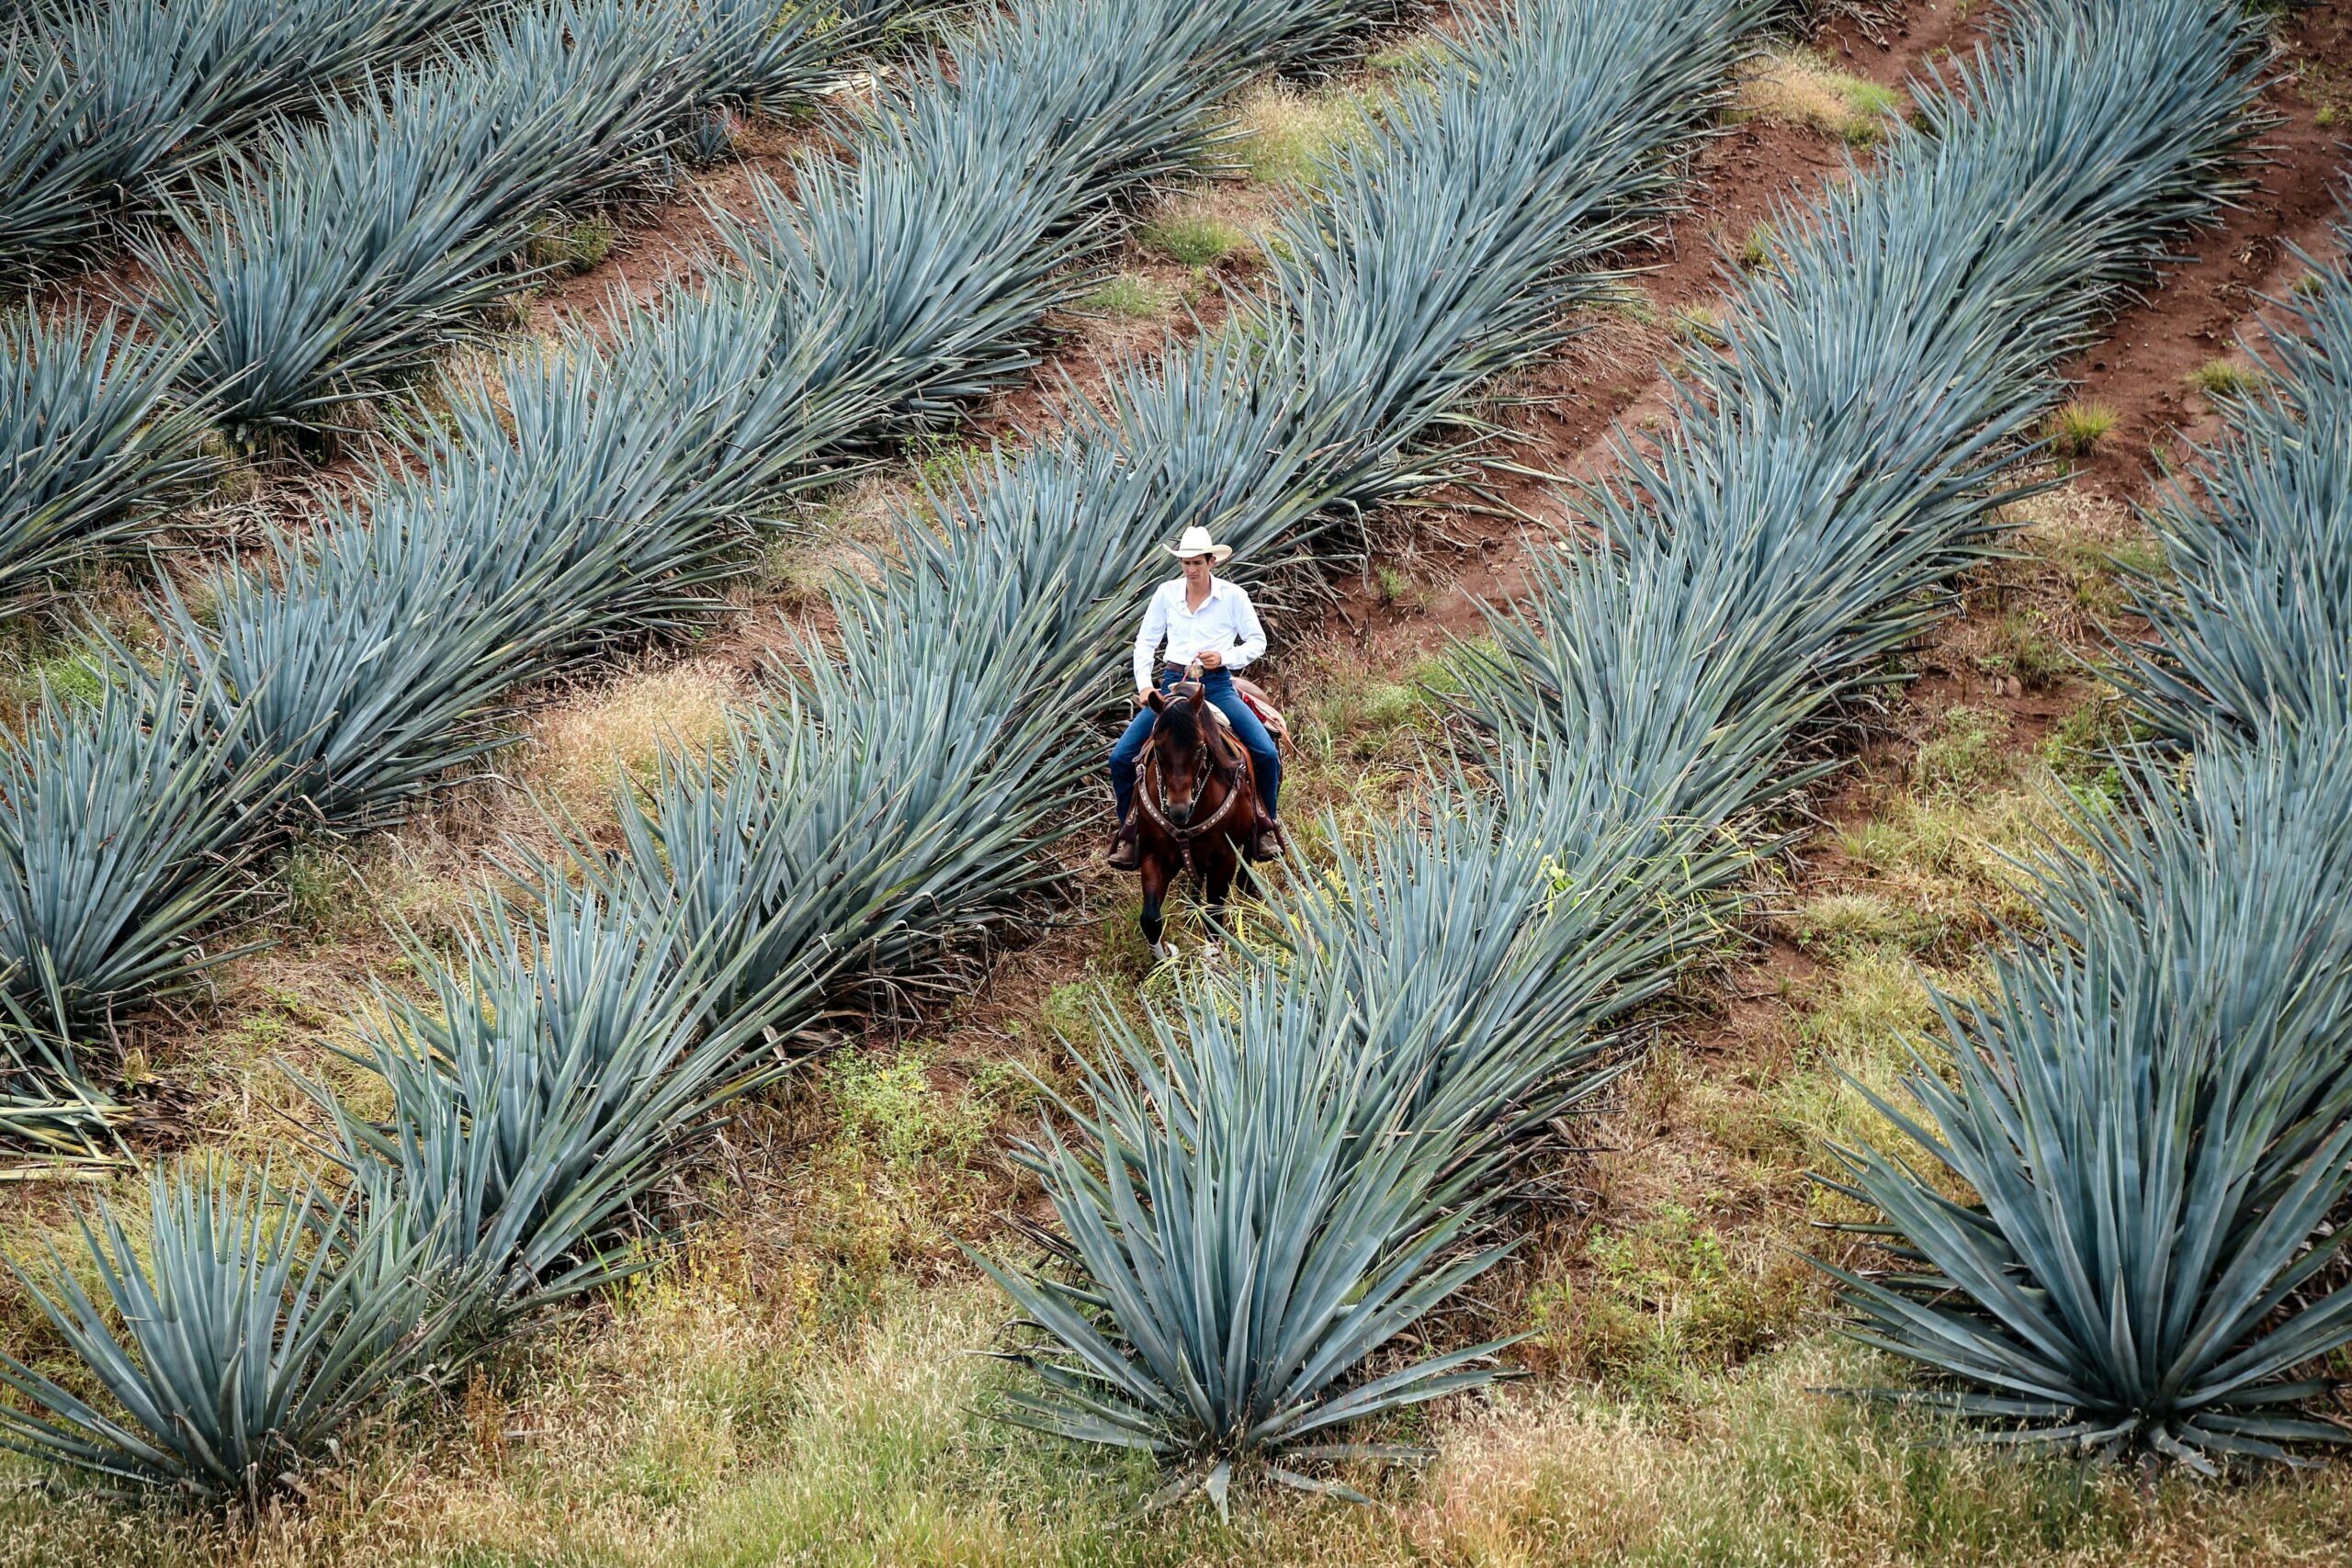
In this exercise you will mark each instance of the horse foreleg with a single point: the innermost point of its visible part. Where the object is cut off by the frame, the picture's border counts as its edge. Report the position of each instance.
(1156, 878)
(1217, 889)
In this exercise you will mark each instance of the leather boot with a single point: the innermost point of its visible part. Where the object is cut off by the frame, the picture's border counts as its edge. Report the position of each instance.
(1126, 853)
(1266, 836)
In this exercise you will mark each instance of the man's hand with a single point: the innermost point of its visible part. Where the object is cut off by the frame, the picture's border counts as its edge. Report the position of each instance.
(1210, 659)
(1143, 696)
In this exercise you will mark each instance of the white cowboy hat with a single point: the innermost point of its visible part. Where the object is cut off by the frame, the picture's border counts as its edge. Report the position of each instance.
(1197, 542)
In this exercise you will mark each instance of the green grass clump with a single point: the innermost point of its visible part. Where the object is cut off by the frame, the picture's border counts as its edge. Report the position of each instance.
(2020, 646)
(1193, 239)
(579, 245)
(2223, 378)
(70, 671)
(1413, 57)
(941, 460)
(889, 1104)
(1127, 296)
(1665, 1299)
(1840, 922)
(1965, 754)
(2076, 430)
(1289, 137)
(1701, 324)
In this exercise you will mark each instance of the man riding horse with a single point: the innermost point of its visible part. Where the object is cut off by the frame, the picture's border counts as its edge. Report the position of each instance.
(1198, 627)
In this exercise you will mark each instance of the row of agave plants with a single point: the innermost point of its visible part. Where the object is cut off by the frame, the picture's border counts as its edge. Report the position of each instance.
(109, 101)
(329, 256)
(589, 490)
(2151, 1113)
(1280, 1177)
(577, 495)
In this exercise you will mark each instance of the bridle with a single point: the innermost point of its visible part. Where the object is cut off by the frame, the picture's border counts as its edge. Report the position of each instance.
(1195, 828)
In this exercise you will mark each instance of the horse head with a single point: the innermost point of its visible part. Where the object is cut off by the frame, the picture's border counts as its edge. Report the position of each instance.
(1178, 748)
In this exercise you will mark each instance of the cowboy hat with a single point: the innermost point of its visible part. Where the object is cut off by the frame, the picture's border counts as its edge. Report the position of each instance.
(1197, 542)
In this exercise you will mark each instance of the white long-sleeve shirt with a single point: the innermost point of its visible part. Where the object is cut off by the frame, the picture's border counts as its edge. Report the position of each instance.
(1227, 622)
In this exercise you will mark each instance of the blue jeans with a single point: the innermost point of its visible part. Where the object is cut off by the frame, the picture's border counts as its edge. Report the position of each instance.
(1216, 686)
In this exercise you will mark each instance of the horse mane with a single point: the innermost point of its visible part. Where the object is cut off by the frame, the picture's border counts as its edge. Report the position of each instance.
(1181, 720)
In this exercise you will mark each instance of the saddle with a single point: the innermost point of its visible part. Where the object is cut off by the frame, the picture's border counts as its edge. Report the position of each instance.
(1259, 704)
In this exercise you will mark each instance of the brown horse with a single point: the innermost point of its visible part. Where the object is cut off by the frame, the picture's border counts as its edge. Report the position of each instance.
(1195, 804)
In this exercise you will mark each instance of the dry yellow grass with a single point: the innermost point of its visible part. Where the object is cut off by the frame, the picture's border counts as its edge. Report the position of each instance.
(1800, 87)
(578, 752)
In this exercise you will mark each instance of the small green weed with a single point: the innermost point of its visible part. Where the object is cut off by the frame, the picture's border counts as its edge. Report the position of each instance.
(2079, 748)
(1359, 720)
(1193, 239)
(324, 896)
(2020, 646)
(1840, 922)
(1397, 588)
(1853, 1034)
(1966, 753)
(70, 672)
(1633, 304)
(941, 460)
(579, 245)
(1413, 57)
(1125, 296)
(1288, 137)
(1070, 1011)
(1701, 324)
(1802, 87)
(889, 1104)
(1666, 1298)
(2223, 378)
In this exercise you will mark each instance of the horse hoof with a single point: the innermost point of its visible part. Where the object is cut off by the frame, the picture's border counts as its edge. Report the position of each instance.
(1165, 951)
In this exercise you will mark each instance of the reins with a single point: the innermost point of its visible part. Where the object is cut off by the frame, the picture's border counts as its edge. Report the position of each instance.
(1190, 835)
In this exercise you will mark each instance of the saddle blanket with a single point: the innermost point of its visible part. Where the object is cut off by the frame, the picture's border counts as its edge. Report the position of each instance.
(1268, 713)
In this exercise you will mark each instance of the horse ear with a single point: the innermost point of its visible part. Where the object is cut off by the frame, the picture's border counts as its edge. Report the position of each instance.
(1155, 699)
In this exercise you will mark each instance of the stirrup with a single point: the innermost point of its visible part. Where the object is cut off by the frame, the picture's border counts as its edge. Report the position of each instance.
(1126, 849)
(1266, 839)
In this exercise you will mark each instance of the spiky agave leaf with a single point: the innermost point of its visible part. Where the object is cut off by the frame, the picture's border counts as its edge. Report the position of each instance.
(1043, 114)
(570, 1049)
(768, 57)
(339, 674)
(362, 244)
(127, 94)
(1369, 1098)
(254, 1324)
(91, 442)
(1265, 428)
(568, 505)
(122, 826)
(1461, 228)
(864, 830)
(2151, 1112)
(2249, 617)
(49, 175)
(1248, 1224)
(1836, 465)
(1512, 937)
